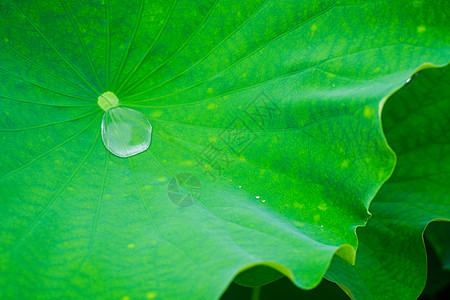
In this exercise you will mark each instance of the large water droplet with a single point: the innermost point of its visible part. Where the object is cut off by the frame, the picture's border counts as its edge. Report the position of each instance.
(125, 132)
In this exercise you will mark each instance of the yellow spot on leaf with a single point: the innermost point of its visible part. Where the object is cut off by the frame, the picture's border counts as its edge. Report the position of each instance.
(210, 91)
(151, 295)
(211, 106)
(156, 114)
(377, 69)
(417, 3)
(131, 246)
(368, 112)
(298, 205)
(421, 29)
(162, 179)
(212, 139)
(188, 163)
(323, 207)
(313, 27)
(345, 163)
(125, 298)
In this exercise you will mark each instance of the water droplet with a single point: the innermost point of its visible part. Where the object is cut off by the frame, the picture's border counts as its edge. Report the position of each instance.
(321, 226)
(240, 186)
(263, 201)
(125, 132)
(257, 197)
(408, 80)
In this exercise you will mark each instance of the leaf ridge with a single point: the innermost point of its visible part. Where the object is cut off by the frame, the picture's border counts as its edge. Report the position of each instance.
(45, 69)
(44, 104)
(55, 49)
(47, 152)
(186, 42)
(211, 51)
(288, 74)
(149, 48)
(52, 201)
(43, 87)
(133, 37)
(48, 124)
(81, 40)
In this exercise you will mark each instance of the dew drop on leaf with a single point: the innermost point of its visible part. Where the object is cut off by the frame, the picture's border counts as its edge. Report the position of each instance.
(125, 132)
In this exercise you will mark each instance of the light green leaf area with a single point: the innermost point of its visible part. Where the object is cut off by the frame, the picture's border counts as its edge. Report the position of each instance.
(391, 259)
(266, 144)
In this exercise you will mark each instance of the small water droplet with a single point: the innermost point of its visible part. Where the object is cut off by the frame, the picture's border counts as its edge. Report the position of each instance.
(263, 201)
(240, 186)
(321, 226)
(408, 80)
(257, 197)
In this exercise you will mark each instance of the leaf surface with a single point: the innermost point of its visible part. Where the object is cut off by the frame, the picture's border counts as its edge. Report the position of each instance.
(391, 259)
(266, 139)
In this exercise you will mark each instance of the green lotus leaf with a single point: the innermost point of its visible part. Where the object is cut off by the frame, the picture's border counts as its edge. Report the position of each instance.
(266, 142)
(391, 259)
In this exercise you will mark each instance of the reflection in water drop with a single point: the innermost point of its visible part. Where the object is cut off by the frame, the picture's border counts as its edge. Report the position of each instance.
(125, 132)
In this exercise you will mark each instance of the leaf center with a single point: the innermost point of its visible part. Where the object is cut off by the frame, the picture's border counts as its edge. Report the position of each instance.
(107, 101)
